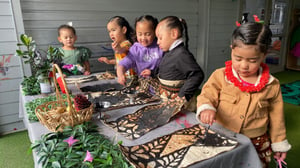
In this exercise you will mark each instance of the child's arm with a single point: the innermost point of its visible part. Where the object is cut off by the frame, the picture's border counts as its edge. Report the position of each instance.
(87, 68)
(120, 73)
(194, 75)
(208, 100)
(106, 60)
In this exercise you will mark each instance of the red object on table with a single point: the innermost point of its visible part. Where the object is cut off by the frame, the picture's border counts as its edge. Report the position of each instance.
(61, 85)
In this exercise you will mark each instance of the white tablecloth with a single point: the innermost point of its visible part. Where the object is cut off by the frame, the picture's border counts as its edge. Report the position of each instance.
(243, 156)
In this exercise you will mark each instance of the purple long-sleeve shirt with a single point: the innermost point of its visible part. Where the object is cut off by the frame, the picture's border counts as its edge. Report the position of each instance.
(140, 57)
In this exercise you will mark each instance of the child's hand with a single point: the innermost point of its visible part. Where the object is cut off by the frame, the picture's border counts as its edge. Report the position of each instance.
(280, 155)
(122, 79)
(208, 117)
(103, 59)
(146, 73)
(86, 73)
(116, 46)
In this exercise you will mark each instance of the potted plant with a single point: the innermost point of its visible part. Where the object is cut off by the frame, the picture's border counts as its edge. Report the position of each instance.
(39, 60)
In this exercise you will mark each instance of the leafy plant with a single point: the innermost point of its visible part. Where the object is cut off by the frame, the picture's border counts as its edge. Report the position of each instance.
(30, 106)
(79, 146)
(30, 86)
(39, 60)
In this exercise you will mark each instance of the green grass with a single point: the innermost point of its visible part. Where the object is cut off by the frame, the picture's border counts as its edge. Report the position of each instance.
(14, 151)
(292, 116)
(14, 147)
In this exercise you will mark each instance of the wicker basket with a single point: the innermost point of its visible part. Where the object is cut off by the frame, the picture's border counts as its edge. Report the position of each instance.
(55, 115)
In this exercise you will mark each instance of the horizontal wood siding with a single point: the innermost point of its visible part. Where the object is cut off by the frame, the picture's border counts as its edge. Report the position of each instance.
(10, 71)
(89, 17)
(223, 14)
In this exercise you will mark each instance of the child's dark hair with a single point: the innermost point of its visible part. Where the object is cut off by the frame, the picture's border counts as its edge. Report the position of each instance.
(173, 22)
(252, 33)
(122, 22)
(64, 26)
(150, 18)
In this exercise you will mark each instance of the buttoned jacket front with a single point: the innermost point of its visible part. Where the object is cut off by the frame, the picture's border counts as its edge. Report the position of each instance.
(251, 114)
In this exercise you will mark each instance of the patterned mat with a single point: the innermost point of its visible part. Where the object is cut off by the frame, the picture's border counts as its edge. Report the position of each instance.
(179, 149)
(119, 99)
(291, 92)
(133, 126)
(136, 92)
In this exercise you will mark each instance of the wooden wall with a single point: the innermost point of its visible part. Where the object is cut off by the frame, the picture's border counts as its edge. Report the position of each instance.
(10, 71)
(89, 17)
(223, 15)
(210, 24)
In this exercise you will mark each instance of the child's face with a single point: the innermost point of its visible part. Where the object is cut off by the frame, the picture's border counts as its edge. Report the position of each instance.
(145, 33)
(116, 33)
(165, 36)
(246, 60)
(67, 38)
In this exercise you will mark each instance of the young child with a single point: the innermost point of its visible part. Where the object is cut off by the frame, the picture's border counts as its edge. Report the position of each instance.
(145, 55)
(178, 72)
(121, 34)
(244, 97)
(71, 54)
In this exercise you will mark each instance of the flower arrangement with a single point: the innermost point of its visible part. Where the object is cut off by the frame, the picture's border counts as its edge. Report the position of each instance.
(78, 146)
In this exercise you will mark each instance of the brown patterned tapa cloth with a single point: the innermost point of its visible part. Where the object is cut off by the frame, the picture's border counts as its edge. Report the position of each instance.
(133, 126)
(179, 149)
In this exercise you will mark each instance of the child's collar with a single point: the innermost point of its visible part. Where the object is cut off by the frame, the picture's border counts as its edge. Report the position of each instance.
(263, 79)
(176, 43)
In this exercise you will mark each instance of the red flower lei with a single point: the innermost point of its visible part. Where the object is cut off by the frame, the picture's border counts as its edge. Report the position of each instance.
(262, 83)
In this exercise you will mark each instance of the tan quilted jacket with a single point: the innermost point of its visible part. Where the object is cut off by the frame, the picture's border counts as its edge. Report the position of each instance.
(251, 114)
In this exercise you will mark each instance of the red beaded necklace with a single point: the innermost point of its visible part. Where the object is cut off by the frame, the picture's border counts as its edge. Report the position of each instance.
(262, 82)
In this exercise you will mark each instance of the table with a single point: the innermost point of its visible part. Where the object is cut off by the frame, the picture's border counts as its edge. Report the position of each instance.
(244, 155)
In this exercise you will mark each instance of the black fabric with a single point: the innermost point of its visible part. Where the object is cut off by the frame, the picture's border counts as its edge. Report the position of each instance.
(180, 64)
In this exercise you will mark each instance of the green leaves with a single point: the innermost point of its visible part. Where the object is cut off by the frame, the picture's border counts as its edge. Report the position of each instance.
(26, 40)
(31, 106)
(54, 152)
(38, 59)
(30, 86)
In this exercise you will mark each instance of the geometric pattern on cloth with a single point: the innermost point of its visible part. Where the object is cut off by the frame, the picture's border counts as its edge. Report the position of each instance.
(118, 96)
(145, 119)
(119, 99)
(179, 149)
(291, 92)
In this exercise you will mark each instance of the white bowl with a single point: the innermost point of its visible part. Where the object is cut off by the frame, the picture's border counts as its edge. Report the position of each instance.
(104, 104)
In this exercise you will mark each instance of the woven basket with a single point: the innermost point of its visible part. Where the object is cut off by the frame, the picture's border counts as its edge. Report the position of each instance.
(55, 115)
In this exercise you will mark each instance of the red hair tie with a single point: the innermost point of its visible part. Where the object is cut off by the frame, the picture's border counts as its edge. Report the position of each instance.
(237, 24)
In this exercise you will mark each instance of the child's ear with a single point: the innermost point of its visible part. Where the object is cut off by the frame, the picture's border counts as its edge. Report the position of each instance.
(59, 39)
(231, 46)
(174, 33)
(124, 30)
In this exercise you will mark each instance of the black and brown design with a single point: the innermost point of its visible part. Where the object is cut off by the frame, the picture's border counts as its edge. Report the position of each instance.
(137, 92)
(179, 149)
(134, 125)
(118, 99)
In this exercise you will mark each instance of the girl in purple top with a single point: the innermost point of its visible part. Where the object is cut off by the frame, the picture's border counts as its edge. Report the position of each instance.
(145, 55)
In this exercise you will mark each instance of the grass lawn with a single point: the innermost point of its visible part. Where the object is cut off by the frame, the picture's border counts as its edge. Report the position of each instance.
(14, 151)
(292, 117)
